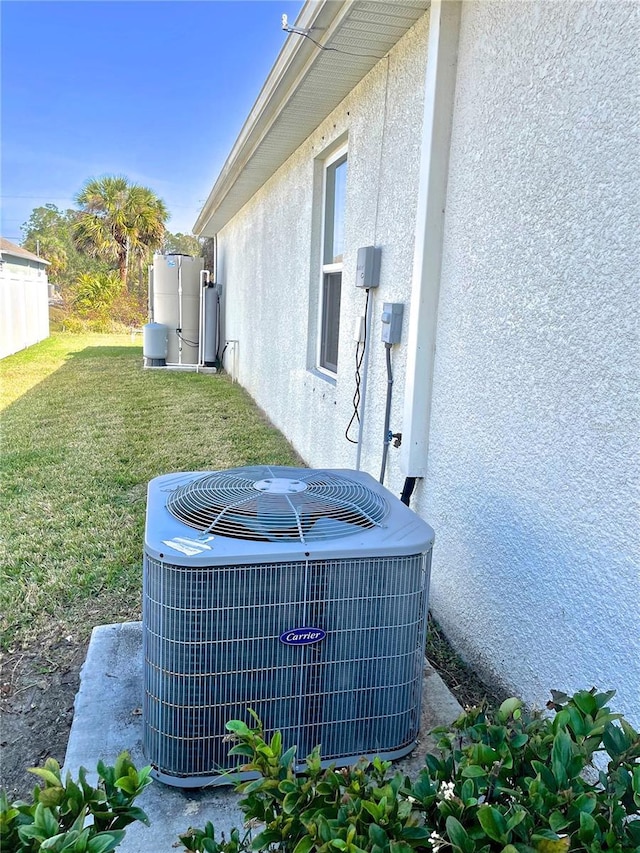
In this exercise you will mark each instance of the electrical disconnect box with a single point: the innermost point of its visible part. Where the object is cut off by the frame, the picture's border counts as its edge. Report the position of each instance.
(392, 322)
(368, 267)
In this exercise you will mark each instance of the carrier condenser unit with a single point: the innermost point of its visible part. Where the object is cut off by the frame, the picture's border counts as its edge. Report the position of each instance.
(301, 594)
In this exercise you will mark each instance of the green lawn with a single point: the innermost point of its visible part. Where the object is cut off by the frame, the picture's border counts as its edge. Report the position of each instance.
(84, 428)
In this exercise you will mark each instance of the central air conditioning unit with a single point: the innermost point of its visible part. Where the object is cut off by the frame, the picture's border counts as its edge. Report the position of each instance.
(301, 594)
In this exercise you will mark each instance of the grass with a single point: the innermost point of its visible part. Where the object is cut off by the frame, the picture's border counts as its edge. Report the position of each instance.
(84, 429)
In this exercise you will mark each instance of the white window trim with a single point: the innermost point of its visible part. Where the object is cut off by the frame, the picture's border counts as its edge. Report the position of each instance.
(336, 155)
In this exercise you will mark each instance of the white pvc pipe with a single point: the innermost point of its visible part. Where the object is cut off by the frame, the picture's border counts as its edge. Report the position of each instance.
(150, 292)
(180, 309)
(234, 360)
(365, 373)
(183, 368)
(440, 79)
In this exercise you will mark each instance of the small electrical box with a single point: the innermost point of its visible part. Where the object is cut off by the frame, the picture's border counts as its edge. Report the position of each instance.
(392, 322)
(368, 267)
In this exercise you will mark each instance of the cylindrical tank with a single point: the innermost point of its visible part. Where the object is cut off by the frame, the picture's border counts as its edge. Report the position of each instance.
(211, 308)
(154, 344)
(176, 304)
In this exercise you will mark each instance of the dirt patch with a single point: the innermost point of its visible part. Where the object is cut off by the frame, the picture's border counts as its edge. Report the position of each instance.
(37, 689)
(460, 678)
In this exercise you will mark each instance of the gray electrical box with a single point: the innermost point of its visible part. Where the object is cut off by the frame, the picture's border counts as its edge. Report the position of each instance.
(368, 267)
(392, 322)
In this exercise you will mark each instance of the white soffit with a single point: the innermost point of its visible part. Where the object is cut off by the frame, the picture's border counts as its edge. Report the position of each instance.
(304, 86)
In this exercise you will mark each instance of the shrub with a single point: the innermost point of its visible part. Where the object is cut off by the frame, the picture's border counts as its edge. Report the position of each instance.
(57, 318)
(55, 819)
(504, 780)
(95, 293)
(74, 325)
(129, 309)
(100, 324)
(98, 302)
(516, 781)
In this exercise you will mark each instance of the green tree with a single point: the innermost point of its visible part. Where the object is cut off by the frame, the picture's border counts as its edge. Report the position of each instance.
(44, 220)
(182, 244)
(118, 222)
(53, 250)
(48, 232)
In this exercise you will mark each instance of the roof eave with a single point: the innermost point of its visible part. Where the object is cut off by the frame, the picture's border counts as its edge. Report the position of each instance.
(297, 55)
(349, 38)
(23, 256)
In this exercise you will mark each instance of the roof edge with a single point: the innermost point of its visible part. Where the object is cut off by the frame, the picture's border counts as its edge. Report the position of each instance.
(298, 54)
(14, 251)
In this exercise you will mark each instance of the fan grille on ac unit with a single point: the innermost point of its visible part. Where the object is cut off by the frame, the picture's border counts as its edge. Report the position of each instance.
(277, 503)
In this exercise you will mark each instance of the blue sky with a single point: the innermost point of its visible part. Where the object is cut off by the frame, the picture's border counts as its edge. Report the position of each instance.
(156, 91)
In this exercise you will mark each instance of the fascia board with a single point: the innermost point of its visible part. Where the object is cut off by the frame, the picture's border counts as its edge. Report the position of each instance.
(5, 254)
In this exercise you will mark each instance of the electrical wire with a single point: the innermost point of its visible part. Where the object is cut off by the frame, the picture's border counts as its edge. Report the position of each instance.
(381, 156)
(293, 31)
(387, 413)
(407, 490)
(355, 417)
(185, 341)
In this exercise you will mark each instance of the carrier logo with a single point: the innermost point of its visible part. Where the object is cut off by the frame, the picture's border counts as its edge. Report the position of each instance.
(302, 636)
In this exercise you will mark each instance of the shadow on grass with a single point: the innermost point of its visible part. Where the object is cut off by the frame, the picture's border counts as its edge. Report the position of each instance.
(80, 448)
(28, 368)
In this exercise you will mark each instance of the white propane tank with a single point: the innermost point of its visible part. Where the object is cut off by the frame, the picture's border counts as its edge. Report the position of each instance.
(155, 341)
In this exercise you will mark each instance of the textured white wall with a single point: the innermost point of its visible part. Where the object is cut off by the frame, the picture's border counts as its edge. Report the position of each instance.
(24, 298)
(269, 265)
(532, 484)
(534, 458)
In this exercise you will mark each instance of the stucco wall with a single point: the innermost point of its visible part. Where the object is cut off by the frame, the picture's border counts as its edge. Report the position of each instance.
(24, 301)
(532, 482)
(534, 457)
(269, 265)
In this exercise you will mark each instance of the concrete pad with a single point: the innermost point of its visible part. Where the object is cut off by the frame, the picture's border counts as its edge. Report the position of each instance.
(108, 719)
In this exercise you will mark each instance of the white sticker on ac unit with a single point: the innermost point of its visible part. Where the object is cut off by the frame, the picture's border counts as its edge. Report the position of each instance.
(190, 547)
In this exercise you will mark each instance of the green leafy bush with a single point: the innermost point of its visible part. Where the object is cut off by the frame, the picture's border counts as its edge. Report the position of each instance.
(94, 293)
(505, 780)
(63, 320)
(74, 325)
(74, 817)
(516, 781)
(129, 309)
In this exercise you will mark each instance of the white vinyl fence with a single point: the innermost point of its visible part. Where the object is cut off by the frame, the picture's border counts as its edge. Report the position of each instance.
(24, 307)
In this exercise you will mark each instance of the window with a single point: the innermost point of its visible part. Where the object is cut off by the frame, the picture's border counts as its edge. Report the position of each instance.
(335, 184)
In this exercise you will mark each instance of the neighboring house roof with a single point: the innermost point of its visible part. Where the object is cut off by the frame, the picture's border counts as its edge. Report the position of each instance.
(15, 251)
(304, 86)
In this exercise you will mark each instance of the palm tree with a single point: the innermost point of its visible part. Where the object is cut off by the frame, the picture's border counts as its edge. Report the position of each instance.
(118, 221)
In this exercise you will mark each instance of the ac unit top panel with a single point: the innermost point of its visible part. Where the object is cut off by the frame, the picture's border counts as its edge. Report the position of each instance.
(275, 513)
